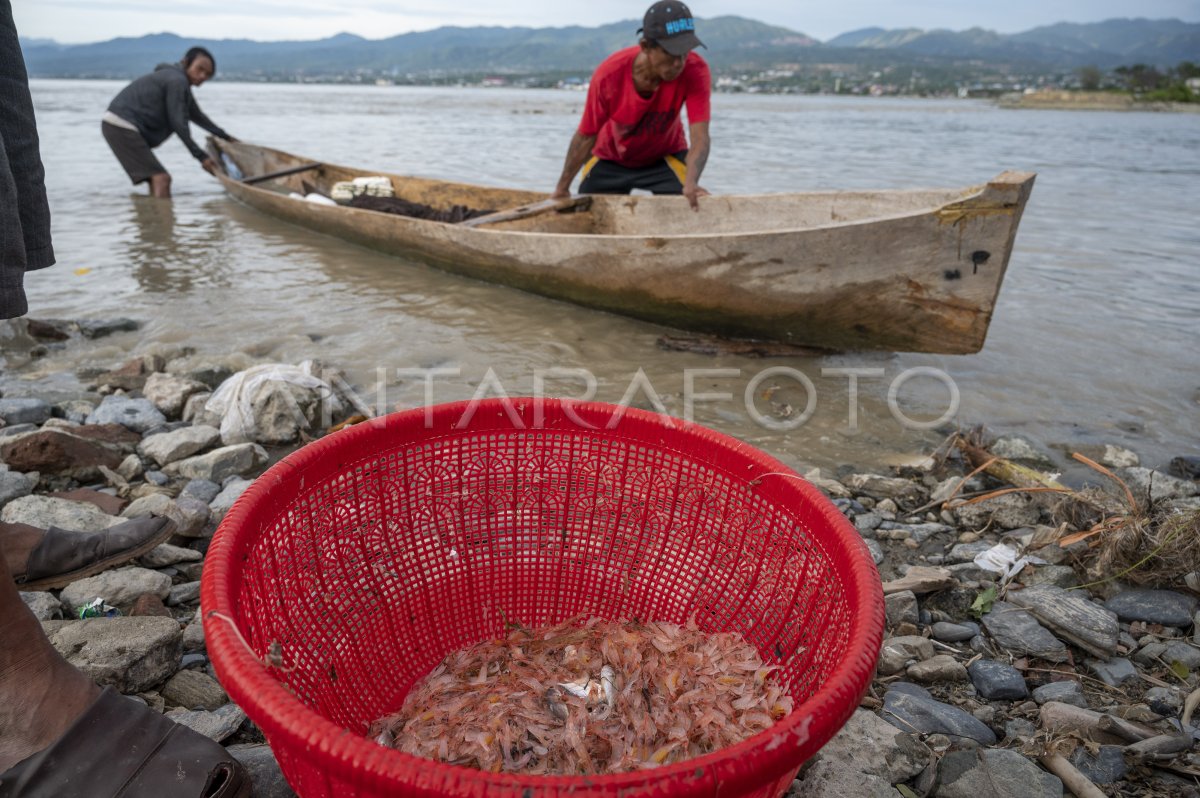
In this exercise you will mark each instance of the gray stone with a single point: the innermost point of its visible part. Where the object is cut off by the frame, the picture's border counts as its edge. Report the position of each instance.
(169, 447)
(166, 555)
(139, 415)
(1017, 631)
(191, 571)
(131, 654)
(224, 500)
(1012, 511)
(1049, 575)
(953, 632)
(910, 711)
(157, 478)
(202, 489)
(1105, 767)
(1150, 654)
(17, 430)
(1118, 457)
(44, 606)
(970, 572)
(902, 608)
(169, 393)
(967, 552)
(1070, 615)
(14, 485)
(1186, 655)
(24, 411)
(1019, 729)
(102, 328)
(900, 490)
(131, 468)
(865, 758)
(120, 587)
(187, 593)
(997, 680)
(1062, 692)
(938, 669)
(1166, 701)
(1115, 672)
(995, 773)
(264, 771)
(1159, 486)
(918, 532)
(237, 460)
(1021, 450)
(867, 522)
(193, 635)
(1153, 606)
(44, 511)
(872, 546)
(193, 517)
(194, 690)
(898, 652)
(76, 410)
(193, 661)
(216, 725)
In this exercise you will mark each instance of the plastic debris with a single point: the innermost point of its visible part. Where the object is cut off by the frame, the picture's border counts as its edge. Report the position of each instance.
(233, 400)
(1005, 559)
(96, 608)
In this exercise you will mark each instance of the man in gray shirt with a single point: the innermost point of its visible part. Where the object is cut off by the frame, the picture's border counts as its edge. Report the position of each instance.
(150, 109)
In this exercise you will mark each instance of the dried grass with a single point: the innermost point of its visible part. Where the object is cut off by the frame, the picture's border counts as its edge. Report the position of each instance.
(1150, 551)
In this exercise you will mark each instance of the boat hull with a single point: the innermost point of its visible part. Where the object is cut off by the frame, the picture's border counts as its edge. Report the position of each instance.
(921, 279)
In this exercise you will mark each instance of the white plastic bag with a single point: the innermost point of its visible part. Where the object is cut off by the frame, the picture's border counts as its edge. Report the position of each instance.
(234, 399)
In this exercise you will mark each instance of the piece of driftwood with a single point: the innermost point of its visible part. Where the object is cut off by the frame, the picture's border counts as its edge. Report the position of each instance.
(1080, 785)
(709, 345)
(533, 209)
(1056, 716)
(1072, 617)
(1164, 746)
(921, 579)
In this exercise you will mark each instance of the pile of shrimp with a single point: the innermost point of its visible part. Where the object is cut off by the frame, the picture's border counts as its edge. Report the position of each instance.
(588, 698)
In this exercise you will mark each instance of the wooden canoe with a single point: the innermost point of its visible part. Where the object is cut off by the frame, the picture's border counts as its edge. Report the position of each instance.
(902, 271)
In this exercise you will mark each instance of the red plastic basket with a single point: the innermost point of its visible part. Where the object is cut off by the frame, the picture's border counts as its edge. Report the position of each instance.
(364, 558)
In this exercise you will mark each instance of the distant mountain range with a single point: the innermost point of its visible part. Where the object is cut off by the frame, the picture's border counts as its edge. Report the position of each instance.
(734, 43)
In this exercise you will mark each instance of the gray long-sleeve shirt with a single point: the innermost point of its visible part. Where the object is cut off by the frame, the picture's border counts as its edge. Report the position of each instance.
(160, 104)
(24, 212)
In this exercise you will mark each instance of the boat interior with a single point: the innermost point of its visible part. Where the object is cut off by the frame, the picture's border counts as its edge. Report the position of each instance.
(614, 215)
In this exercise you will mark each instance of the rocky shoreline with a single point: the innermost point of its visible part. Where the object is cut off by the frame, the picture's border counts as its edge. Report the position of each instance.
(1006, 652)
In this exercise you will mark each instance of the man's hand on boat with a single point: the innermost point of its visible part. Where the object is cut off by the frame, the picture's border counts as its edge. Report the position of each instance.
(209, 165)
(693, 194)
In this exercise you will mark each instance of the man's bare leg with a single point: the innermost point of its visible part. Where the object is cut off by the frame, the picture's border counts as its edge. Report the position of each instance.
(40, 693)
(160, 185)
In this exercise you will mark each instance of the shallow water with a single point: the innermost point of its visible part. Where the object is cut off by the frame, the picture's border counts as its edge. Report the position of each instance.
(1093, 339)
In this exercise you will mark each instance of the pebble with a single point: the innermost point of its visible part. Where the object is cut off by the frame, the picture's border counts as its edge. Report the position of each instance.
(996, 773)
(910, 707)
(1115, 672)
(216, 725)
(1016, 630)
(997, 680)
(1154, 606)
(1105, 767)
(1062, 692)
(954, 632)
(937, 669)
(902, 608)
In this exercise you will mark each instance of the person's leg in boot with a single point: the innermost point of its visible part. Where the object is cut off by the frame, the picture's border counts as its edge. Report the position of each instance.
(63, 737)
(40, 693)
(43, 559)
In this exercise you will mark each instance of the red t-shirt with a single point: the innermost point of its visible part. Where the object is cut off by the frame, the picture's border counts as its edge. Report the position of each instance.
(632, 130)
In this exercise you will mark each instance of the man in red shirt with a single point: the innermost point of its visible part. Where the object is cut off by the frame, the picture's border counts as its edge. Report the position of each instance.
(631, 135)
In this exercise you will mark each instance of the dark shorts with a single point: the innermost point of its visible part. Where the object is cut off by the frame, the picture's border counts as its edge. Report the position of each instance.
(609, 177)
(133, 152)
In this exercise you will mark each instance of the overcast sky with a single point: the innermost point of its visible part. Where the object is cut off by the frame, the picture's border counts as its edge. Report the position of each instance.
(74, 21)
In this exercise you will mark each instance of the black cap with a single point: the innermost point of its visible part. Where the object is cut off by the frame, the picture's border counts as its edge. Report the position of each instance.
(670, 24)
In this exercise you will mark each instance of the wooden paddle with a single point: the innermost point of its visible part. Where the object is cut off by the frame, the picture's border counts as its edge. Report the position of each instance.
(291, 170)
(533, 209)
